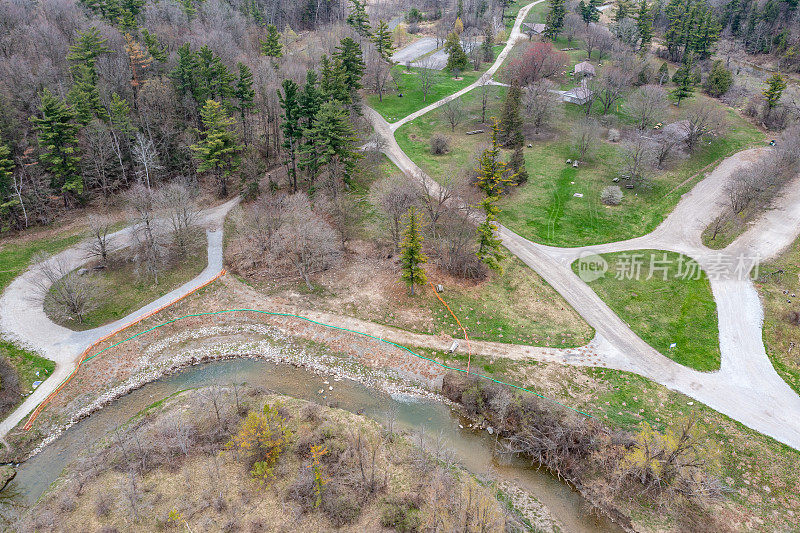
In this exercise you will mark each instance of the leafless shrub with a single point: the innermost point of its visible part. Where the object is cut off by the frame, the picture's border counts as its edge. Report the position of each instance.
(102, 505)
(99, 230)
(454, 245)
(440, 144)
(66, 293)
(542, 104)
(584, 138)
(611, 195)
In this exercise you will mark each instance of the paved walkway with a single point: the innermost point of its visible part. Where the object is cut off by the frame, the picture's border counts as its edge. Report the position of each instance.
(747, 388)
(23, 320)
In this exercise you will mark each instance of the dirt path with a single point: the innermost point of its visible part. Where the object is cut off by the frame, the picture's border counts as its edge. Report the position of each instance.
(23, 320)
(746, 387)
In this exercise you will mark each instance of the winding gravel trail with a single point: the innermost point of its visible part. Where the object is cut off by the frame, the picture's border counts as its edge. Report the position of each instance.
(747, 388)
(23, 320)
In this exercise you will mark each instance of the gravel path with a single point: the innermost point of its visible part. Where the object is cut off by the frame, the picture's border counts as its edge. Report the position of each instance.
(23, 320)
(746, 387)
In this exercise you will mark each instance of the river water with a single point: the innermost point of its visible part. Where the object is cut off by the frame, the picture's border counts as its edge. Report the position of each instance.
(472, 448)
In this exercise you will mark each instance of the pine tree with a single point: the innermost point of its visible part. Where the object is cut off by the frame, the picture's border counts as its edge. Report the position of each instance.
(457, 59)
(243, 91)
(684, 80)
(58, 141)
(493, 176)
(89, 46)
(554, 21)
(774, 90)
(517, 166)
(588, 12)
(719, 80)
(488, 41)
(348, 56)
(290, 124)
(310, 101)
(156, 50)
(383, 41)
(511, 121)
(184, 73)
(333, 84)
(84, 97)
(6, 170)
(623, 10)
(272, 46)
(411, 255)
(140, 59)
(644, 23)
(213, 79)
(218, 149)
(331, 139)
(358, 18)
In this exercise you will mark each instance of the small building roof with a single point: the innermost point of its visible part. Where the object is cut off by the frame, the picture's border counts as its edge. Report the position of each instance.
(578, 95)
(584, 67)
(533, 28)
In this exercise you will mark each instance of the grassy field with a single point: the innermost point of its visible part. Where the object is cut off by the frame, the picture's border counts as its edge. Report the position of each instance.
(26, 367)
(759, 471)
(778, 292)
(546, 209)
(394, 107)
(15, 256)
(649, 290)
(123, 290)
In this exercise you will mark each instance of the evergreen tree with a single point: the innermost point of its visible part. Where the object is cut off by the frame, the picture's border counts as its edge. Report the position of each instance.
(218, 149)
(272, 46)
(511, 121)
(292, 129)
(663, 73)
(331, 140)
(623, 10)
(213, 79)
(383, 41)
(588, 11)
(554, 21)
(310, 101)
(684, 80)
(58, 141)
(517, 166)
(691, 27)
(457, 59)
(184, 73)
(719, 80)
(348, 56)
(358, 18)
(243, 91)
(6, 185)
(644, 23)
(89, 46)
(488, 41)
(493, 176)
(84, 97)
(411, 255)
(156, 50)
(333, 84)
(774, 90)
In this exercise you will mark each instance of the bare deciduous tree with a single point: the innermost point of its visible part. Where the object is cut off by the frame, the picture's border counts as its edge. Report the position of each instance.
(427, 77)
(647, 105)
(596, 37)
(144, 152)
(143, 204)
(584, 138)
(178, 201)
(66, 292)
(394, 196)
(614, 82)
(542, 103)
(434, 196)
(99, 230)
(453, 112)
(701, 119)
(637, 160)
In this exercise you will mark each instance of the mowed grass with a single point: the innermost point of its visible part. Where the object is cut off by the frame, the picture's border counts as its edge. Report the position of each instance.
(16, 256)
(515, 307)
(778, 284)
(393, 107)
(546, 209)
(666, 299)
(122, 289)
(26, 364)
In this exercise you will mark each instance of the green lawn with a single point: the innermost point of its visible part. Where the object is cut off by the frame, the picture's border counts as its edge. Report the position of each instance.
(546, 209)
(394, 107)
(679, 309)
(123, 290)
(779, 280)
(26, 364)
(15, 257)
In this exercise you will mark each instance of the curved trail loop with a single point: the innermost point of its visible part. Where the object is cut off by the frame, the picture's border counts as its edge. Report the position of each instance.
(22, 316)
